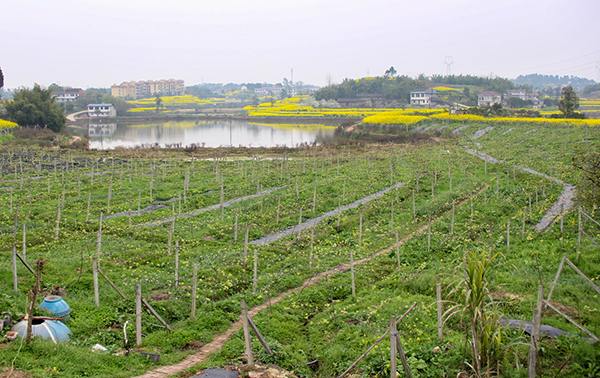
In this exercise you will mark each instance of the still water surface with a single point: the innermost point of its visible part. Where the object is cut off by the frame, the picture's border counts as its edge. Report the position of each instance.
(205, 133)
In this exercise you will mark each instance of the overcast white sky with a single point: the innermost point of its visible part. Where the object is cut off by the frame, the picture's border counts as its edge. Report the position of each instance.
(93, 43)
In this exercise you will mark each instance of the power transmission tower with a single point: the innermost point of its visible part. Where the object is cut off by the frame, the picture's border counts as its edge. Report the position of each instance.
(448, 62)
(598, 69)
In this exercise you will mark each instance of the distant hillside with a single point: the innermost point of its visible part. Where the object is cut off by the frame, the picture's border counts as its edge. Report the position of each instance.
(542, 82)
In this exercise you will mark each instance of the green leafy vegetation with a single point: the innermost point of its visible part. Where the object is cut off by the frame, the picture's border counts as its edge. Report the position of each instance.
(321, 329)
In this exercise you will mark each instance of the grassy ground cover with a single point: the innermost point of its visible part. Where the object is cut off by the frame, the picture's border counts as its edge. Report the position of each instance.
(323, 323)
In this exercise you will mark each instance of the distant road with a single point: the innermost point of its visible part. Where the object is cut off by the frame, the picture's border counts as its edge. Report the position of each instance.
(71, 117)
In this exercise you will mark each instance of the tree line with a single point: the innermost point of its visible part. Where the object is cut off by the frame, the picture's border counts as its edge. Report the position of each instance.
(398, 88)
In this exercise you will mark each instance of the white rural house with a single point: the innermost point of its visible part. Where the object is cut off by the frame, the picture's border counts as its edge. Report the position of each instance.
(101, 110)
(68, 95)
(489, 98)
(422, 97)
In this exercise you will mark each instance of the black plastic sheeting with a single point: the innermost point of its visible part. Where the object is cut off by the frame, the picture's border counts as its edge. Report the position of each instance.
(551, 332)
(217, 373)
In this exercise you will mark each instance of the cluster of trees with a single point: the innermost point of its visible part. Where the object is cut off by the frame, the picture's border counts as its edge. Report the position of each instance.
(591, 88)
(552, 81)
(36, 107)
(398, 88)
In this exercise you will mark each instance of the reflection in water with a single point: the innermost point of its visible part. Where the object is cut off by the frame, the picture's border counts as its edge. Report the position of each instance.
(207, 134)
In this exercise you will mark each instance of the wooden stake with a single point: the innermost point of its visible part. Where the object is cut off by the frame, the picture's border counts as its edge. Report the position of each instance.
(352, 274)
(255, 276)
(315, 198)
(259, 336)
(312, 239)
(535, 333)
(176, 264)
(99, 238)
(112, 284)
(235, 229)
(392, 217)
(138, 315)
(24, 242)
(440, 323)
(246, 246)
(360, 230)
(14, 266)
(403, 357)
(507, 237)
(558, 272)
(95, 276)
(393, 334)
(414, 206)
(452, 221)
(247, 340)
(57, 227)
(194, 290)
(429, 234)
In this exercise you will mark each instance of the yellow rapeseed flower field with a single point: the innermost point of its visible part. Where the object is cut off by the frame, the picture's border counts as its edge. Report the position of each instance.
(7, 124)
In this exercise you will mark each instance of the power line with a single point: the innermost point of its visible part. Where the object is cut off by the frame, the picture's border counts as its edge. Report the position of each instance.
(564, 61)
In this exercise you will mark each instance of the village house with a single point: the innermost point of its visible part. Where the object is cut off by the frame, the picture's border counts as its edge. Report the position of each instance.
(422, 97)
(489, 98)
(523, 95)
(68, 95)
(101, 110)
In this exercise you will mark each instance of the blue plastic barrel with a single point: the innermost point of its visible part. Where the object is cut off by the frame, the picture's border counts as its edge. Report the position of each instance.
(57, 307)
(44, 328)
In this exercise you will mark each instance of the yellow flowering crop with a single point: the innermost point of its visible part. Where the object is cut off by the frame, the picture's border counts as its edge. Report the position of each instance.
(444, 89)
(393, 118)
(7, 124)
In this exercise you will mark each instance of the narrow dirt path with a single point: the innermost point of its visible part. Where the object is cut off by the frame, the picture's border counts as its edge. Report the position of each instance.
(220, 339)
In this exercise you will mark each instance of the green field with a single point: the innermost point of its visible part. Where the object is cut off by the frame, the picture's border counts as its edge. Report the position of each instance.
(321, 329)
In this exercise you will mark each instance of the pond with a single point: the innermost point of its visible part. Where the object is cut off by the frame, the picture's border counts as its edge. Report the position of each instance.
(222, 133)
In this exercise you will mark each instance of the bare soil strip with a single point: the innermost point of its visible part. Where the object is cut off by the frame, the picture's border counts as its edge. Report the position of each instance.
(220, 339)
(209, 208)
(313, 222)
